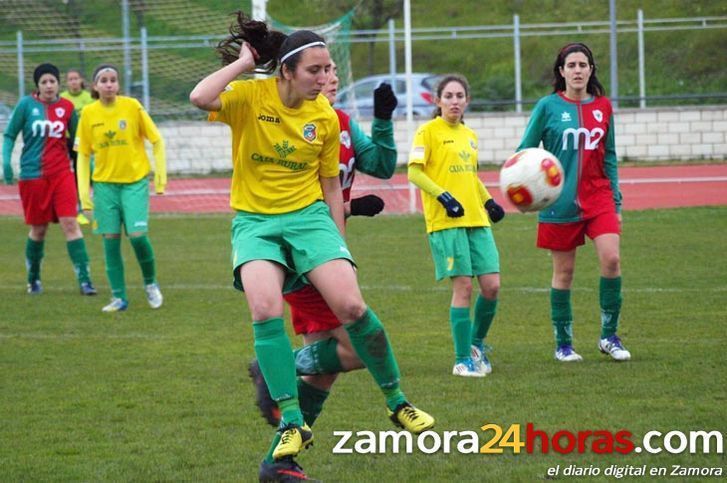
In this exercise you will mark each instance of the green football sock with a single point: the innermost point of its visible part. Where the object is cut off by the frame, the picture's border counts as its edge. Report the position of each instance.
(610, 299)
(459, 320)
(369, 339)
(485, 310)
(311, 401)
(319, 357)
(145, 256)
(33, 257)
(79, 258)
(275, 356)
(114, 267)
(311, 404)
(562, 316)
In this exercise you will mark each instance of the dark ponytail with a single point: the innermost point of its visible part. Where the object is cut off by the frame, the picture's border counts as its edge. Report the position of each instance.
(270, 45)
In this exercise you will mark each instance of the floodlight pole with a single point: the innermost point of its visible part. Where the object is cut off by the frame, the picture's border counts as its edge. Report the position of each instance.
(127, 45)
(259, 10)
(409, 99)
(21, 65)
(614, 53)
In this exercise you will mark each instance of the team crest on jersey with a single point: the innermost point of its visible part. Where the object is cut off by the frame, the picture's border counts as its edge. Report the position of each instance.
(60, 111)
(565, 116)
(473, 144)
(122, 124)
(346, 139)
(309, 132)
(597, 115)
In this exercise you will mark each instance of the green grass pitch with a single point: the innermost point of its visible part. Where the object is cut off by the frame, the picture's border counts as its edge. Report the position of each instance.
(164, 395)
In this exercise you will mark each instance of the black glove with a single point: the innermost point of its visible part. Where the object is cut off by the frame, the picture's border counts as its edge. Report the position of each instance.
(369, 205)
(384, 102)
(454, 209)
(494, 210)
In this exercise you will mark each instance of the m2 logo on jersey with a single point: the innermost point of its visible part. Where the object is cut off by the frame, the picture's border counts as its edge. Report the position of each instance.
(309, 132)
(598, 115)
(52, 129)
(591, 138)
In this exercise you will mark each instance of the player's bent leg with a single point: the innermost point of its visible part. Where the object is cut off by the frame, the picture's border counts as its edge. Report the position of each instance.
(336, 281)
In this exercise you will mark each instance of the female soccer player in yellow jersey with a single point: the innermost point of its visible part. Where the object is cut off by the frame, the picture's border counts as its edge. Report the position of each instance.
(290, 221)
(114, 129)
(443, 164)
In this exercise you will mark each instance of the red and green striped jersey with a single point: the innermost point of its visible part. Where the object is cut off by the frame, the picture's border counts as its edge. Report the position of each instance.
(581, 135)
(46, 128)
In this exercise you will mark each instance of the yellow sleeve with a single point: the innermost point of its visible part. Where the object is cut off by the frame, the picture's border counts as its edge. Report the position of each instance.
(232, 99)
(83, 175)
(160, 167)
(417, 176)
(419, 152)
(83, 142)
(484, 194)
(149, 129)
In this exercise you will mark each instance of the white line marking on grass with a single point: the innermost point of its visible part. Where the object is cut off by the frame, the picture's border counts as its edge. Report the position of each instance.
(389, 288)
(48, 336)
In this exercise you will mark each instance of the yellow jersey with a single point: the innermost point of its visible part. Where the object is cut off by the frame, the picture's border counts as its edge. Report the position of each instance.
(448, 156)
(115, 135)
(279, 153)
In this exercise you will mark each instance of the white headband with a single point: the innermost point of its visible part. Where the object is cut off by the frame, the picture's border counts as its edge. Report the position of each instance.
(103, 71)
(302, 47)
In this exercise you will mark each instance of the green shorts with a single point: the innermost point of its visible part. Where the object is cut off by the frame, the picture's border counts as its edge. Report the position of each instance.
(299, 241)
(464, 252)
(117, 203)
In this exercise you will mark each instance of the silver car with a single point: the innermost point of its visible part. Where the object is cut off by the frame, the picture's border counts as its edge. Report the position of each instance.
(359, 96)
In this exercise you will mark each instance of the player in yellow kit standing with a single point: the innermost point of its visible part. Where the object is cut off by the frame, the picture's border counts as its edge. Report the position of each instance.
(290, 218)
(113, 129)
(457, 210)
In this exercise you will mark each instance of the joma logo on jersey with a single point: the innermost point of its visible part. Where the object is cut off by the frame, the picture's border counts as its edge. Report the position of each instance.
(266, 118)
(53, 129)
(110, 134)
(590, 141)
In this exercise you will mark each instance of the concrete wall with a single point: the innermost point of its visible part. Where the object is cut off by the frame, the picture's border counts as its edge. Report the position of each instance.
(654, 134)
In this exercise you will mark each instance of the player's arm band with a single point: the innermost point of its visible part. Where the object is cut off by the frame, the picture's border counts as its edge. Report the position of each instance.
(422, 181)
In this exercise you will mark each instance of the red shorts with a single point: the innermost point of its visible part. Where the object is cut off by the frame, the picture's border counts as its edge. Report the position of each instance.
(309, 311)
(567, 236)
(47, 199)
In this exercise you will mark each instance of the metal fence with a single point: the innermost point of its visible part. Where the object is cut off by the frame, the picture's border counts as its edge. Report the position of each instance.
(161, 70)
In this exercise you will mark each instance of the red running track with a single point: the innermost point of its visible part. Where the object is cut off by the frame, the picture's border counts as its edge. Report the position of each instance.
(648, 187)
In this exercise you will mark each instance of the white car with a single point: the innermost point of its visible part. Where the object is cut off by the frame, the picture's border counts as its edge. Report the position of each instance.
(359, 96)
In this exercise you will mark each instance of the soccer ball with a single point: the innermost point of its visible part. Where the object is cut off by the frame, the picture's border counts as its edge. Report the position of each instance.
(531, 179)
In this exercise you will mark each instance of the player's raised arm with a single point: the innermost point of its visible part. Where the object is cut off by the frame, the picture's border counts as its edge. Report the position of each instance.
(206, 94)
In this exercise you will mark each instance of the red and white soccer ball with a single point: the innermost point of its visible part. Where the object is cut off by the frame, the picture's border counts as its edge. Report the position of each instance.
(531, 179)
